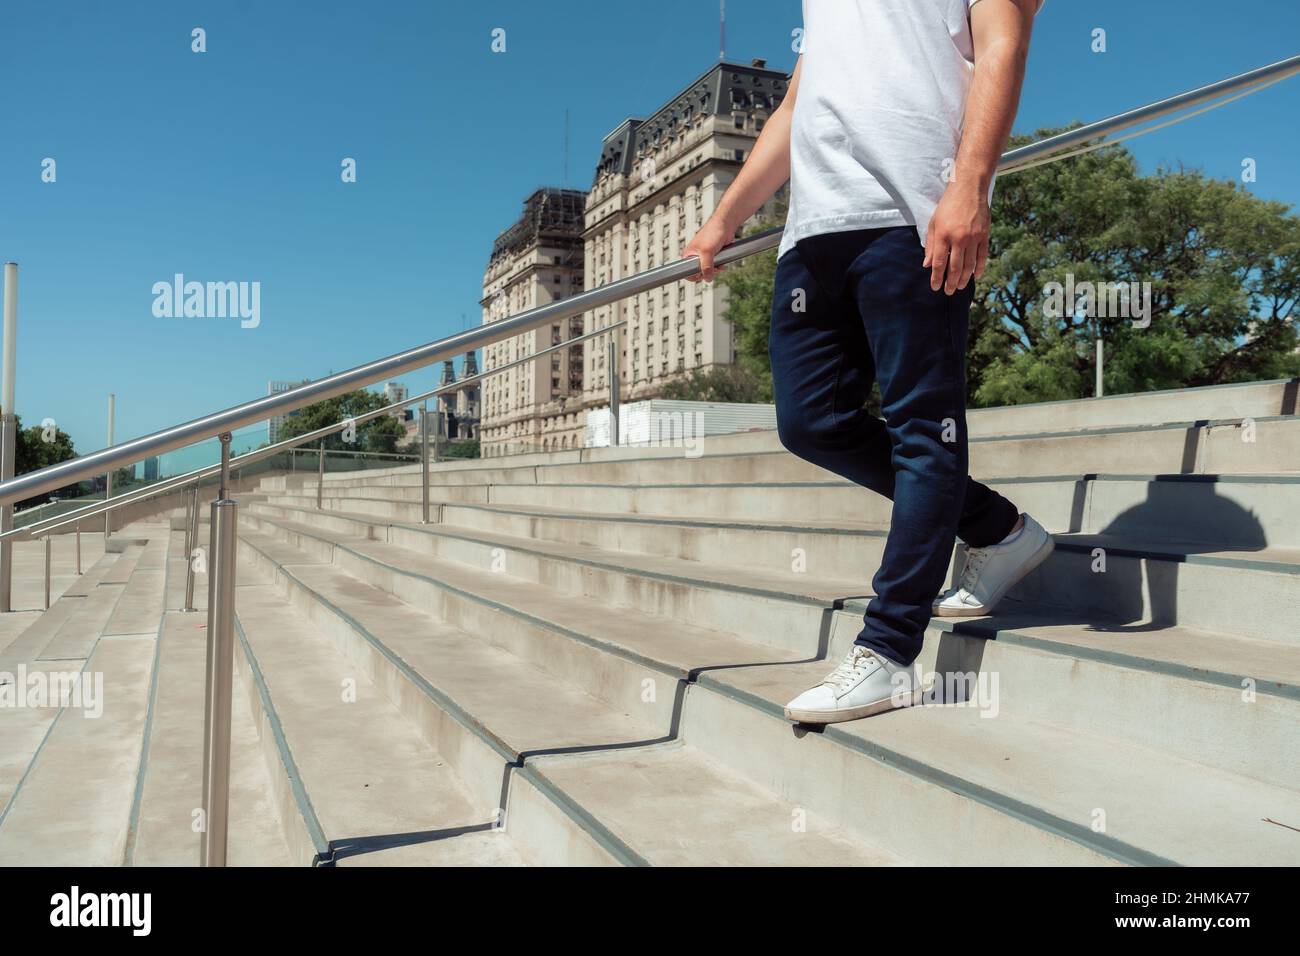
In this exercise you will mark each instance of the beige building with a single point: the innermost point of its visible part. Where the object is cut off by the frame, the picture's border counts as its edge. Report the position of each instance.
(537, 405)
(658, 180)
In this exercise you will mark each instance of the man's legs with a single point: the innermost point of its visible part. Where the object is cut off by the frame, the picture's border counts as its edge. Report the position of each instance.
(868, 310)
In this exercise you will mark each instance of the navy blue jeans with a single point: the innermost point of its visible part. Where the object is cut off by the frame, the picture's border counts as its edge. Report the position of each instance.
(850, 308)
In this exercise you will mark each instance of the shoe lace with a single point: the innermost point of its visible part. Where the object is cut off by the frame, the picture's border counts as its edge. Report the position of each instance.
(849, 671)
(975, 561)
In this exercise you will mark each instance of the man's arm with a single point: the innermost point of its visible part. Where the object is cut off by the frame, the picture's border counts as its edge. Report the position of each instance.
(957, 243)
(764, 172)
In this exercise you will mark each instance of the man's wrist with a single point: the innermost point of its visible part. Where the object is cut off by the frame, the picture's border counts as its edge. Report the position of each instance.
(724, 219)
(978, 182)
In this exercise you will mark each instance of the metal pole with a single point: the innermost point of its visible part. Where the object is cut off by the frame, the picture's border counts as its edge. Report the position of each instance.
(78, 547)
(424, 464)
(108, 478)
(47, 572)
(220, 670)
(1152, 111)
(613, 391)
(320, 473)
(189, 525)
(8, 429)
(1101, 362)
(191, 540)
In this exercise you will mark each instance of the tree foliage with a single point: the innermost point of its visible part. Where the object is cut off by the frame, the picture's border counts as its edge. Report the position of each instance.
(38, 447)
(721, 383)
(380, 434)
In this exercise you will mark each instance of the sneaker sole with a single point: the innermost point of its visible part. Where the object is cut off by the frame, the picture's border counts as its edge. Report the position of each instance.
(851, 713)
(982, 610)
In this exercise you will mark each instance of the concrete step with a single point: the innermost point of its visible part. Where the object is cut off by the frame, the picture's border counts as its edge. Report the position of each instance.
(777, 609)
(1254, 400)
(77, 636)
(1262, 403)
(170, 783)
(380, 795)
(789, 613)
(601, 822)
(28, 584)
(109, 638)
(1053, 832)
(1094, 578)
(169, 787)
(678, 807)
(141, 602)
(1226, 701)
(1242, 512)
(539, 727)
(72, 804)
(1125, 802)
(1110, 580)
(26, 645)
(1255, 447)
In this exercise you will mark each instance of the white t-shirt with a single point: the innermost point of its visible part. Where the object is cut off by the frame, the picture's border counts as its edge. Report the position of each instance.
(878, 114)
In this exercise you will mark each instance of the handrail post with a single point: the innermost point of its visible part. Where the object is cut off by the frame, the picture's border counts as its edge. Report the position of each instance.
(8, 429)
(189, 524)
(320, 474)
(108, 477)
(613, 390)
(47, 572)
(8, 449)
(220, 669)
(191, 541)
(424, 465)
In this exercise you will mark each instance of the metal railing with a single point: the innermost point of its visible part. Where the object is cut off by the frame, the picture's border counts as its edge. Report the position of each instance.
(48, 526)
(224, 514)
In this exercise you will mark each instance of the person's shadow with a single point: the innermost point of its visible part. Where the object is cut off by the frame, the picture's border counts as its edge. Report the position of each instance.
(1121, 580)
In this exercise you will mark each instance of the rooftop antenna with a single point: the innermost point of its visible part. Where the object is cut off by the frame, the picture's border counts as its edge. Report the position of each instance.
(565, 180)
(722, 31)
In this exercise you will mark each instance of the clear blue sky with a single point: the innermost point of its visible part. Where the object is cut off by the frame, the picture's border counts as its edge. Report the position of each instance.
(225, 165)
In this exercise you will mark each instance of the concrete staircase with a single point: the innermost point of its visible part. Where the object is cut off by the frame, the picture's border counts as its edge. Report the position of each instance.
(112, 776)
(583, 657)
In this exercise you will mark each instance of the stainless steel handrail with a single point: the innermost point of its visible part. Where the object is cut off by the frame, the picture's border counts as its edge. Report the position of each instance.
(258, 410)
(167, 485)
(1121, 121)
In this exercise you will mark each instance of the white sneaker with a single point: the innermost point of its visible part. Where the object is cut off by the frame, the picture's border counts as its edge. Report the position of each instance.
(863, 684)
(991, 572)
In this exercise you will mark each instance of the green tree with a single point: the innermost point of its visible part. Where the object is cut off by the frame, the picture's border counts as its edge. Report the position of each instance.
(380, 434)
(721, 383)
(124, 479)
(749, 285)
(1223, 268)
(38, 447)
(468, 448)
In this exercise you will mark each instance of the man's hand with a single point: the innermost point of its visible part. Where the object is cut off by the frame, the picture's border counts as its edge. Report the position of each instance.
(957, 242)
(706, 244)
